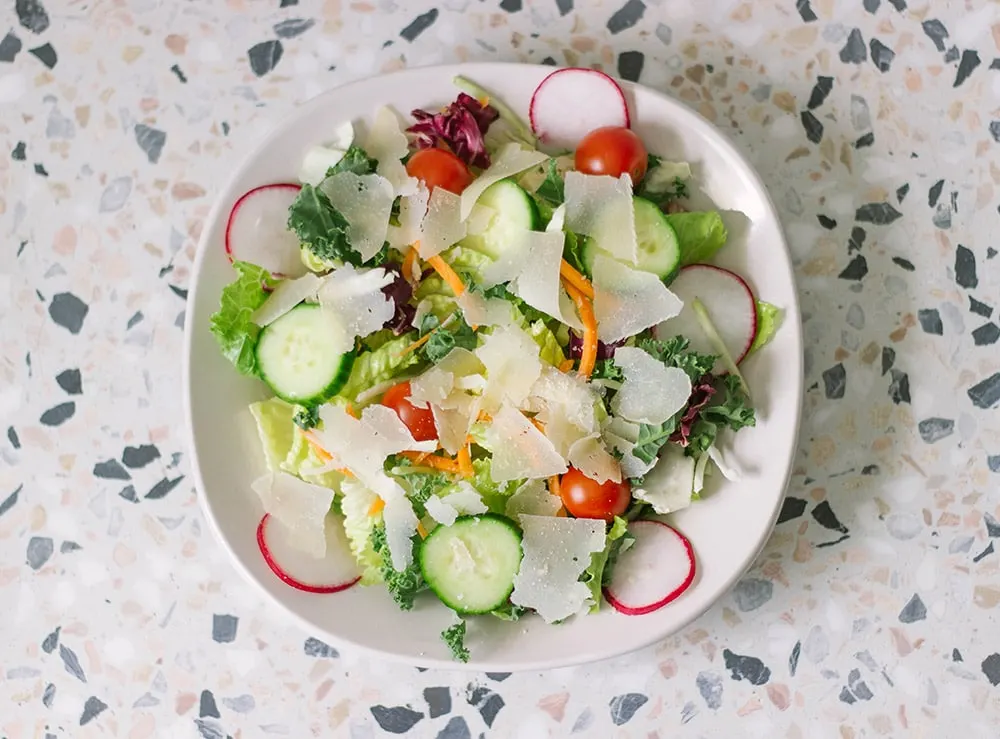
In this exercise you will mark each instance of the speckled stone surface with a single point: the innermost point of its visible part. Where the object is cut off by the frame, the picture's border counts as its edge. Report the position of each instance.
(873, 610)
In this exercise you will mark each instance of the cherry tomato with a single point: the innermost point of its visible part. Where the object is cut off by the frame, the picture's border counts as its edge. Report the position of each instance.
(612, 150)
(439, 168)
(420, 421)
(587, 498)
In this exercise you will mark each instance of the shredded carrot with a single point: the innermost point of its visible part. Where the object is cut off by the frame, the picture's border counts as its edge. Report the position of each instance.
(484, 417)
(436, 461)
(566, 365)
(537, 424)
(421, 530)
(464, 458)
(376, 507)
(409, 260)
(586, 310)
(322, 453)
(351, 411)
(554, 486)
(573, 277)
(447, 274)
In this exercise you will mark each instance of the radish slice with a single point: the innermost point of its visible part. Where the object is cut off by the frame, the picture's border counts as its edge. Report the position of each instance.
(655, 570)
(730, 305)
(257, 231)
(332, 573)
(572, 102)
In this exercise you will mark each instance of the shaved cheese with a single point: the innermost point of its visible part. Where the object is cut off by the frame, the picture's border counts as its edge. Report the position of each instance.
(480, 218)
(412, 209)
(730, 473)
(668, 486)
(299, 506)
(433, 386)
(510, 264)
(590, 457)
(391, 433)
(442, 226)
(453, 408)
(356, 296)
(318, 159)
(453, 424)
(570, 395)
(480, 311)
(511, 160)
(600, 206)
(556, 552)
(558, 219)
(400, 525)
(626, 300)
(366, 202)
(387, 143)
(539, 284)
(465, 500)
(512, 366)
(532, 499)
(287, 295)
(520, 451)
(621, 435)
(651, 392)
(440, 511)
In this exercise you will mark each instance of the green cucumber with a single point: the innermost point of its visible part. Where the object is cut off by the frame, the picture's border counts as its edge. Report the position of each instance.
(515, 210)
(658, 249)
(299, 357)
(471, 564)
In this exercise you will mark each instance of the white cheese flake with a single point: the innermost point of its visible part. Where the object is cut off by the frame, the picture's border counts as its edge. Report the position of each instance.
(412, 209)
(440, 511)
(300, 506)
(600, 206)
(512, 366)
(286, 295)
(365, 201)
(480, 218)
(668, 485)
(532, 499)
(651, 392)
(520, 451)
(480, 311)
(442, 226)
(355, 296)
(509, 161)
(556, 552)
(621, 435)
(627, 300)
(387, 143)
(464, 500)
(539, 283)
(590, 457)
(728, 471)
(443, 388)
(400, 525)
(566, 405)
(318, 159)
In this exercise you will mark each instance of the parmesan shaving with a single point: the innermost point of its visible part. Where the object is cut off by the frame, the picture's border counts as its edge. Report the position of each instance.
(355, 296)
(668, 485)
(590, 457)
(626, 300)
(509, 161)
(651, 392)
(287, 295)
(412, 209)
(365, 201)
(299, 506)
(387, 143)
(532, 499)
(512, 366)
(520, 451)
(600, 206)
(442, 225)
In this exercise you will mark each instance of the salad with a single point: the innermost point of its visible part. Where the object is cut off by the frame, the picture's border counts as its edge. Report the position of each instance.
(496, 352)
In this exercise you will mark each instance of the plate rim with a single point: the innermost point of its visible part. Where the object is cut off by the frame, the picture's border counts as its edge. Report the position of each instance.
(253, 150)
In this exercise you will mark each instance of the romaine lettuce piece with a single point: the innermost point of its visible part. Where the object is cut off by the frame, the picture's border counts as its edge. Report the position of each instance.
(700, 235)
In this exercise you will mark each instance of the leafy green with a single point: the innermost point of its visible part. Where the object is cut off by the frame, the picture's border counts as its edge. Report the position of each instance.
(453, 333)
(673, 353)
(593, 576)
(355, 160)
(356, 502)
(653, 436)
(403, 585)
(494, 494)
(454, 637)
(306, 417)
(552, 188)
(373, 367)
(664, 181)
(321, 228)
(618, 547)
(232, 324)
(606, 369)
(700, 234)
(732, 410)
(768, 321)
(573, 251)
(509, 612)
(422, 485)
(467, 262)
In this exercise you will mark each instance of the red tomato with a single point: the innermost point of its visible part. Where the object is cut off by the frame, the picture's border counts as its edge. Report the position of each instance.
(420, 421)
(612, 150)
(587, 498)
(439, 168)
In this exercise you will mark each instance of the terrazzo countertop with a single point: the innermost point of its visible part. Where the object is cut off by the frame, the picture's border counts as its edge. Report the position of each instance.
(873, 609)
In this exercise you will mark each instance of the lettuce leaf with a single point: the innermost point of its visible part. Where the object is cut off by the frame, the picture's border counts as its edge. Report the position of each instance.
(768, 321)
(321, 228)
(358, 525)
(495, 494)
(700, 234)
(285, 449)
(372, 367)
(593, 576)
(469, 261)
(232, 325)
(549, 349)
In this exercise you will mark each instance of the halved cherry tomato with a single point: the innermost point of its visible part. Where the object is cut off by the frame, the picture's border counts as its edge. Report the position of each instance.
(420, 421)
(439, 168)
(587, 498)
(612, 150)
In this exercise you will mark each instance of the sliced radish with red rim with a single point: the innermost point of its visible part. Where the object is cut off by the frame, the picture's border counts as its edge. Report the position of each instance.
(572, 102)
(336, 571)
(729, 302)
(257, 231)
(655, 570)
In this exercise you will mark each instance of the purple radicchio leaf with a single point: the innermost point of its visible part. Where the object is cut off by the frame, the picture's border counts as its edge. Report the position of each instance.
(399, 291)
(701, 394)
(460, 127)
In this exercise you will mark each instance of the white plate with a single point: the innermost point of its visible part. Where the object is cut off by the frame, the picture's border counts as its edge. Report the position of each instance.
(728, 528)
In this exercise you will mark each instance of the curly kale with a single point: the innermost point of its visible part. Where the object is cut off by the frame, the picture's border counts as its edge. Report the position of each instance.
(403, 585)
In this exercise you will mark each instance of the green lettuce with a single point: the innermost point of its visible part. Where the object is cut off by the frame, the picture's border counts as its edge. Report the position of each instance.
(454, 637)
(285, 449)
(321, 228)
(355, 160)
(768, 320)
(700, 235)
(374, 367)
(468, 261)
(232, 325)
(358, 525)
(593, 576)
(495, 494)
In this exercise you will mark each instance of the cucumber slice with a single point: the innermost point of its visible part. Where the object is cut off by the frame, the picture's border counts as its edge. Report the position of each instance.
(515, 209)
(471, 564)
(659, 251)
(305, 356)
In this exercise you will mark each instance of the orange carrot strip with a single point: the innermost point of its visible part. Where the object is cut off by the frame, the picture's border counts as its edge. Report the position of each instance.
(484, 417)
(376, 507)
(351, 411)
(537, 424)
(586, 311)
(421, 530)
(408, 261)
(465, 461)
(566, 365)
(573, 277)
(322, 453)
(434, 460)
(554, 487)
(447, 274)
